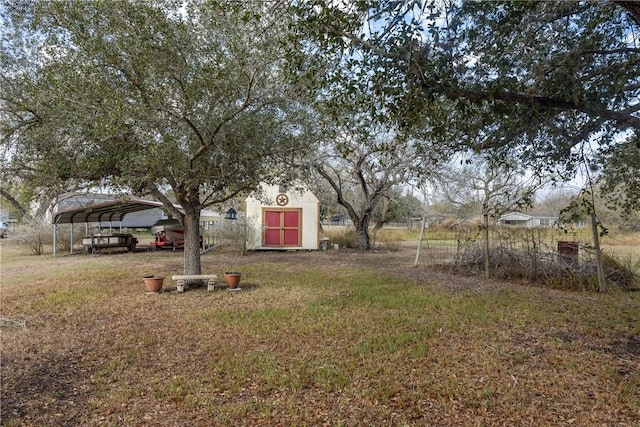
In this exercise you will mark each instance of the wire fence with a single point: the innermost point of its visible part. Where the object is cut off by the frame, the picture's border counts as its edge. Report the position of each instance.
(450, 245)
(444, 246)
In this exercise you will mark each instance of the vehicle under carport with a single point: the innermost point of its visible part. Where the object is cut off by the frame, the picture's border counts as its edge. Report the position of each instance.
(112, 213)
(101, 213)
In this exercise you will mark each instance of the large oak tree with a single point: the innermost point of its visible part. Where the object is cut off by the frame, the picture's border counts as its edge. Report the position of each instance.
(168, 97)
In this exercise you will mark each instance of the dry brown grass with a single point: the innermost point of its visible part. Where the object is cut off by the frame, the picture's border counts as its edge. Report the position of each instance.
(327, 338)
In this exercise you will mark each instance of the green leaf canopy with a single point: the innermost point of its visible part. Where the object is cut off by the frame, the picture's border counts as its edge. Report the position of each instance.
(182, 98)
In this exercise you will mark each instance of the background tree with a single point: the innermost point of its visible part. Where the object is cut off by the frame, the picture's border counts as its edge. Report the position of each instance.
(362, 165)
(363, 152)
(329, 207)
(398, 205)
(555, 199)
(475, 185)
(149, 97)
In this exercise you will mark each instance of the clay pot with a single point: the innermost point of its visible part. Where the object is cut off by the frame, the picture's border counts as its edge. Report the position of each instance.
(232, 279)
(153, 283)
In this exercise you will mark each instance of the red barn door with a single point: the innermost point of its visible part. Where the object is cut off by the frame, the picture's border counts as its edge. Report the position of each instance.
(282, 227)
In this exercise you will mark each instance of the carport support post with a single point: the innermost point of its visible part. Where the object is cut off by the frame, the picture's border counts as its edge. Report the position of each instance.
(71, 236)
(55, 238)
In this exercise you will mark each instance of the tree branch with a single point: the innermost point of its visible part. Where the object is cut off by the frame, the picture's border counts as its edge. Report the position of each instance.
(361, 178)
(633, 7)
(245, 104)
(341, 200)
(624, 119)
(209, 201)
(168, 204)
(195, 129)
(609, 52)
(22, 211)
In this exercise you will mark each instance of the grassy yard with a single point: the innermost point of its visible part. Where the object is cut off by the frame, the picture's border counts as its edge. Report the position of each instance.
(325, 338)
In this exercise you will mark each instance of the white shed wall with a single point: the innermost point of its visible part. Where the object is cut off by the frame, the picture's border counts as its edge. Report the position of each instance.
(307, 202)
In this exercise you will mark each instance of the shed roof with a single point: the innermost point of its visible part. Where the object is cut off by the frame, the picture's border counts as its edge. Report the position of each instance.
(515, 216)
(107, 211)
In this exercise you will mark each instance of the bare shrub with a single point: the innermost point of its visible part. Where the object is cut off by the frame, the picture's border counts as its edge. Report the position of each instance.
(523, 254)
(240, 234)
(460, 224)
(622, 272)
(63, 236)
(33, 235)
(348, 238)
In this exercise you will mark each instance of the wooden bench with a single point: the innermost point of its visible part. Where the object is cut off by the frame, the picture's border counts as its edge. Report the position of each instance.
(210, 278)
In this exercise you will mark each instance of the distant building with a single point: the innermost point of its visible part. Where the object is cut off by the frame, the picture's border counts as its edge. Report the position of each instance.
(518, 219)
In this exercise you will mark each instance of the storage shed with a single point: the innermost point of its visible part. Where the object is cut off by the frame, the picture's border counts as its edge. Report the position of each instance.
(280, 218)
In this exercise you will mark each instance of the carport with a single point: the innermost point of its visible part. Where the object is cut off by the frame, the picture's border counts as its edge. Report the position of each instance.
(107, 212)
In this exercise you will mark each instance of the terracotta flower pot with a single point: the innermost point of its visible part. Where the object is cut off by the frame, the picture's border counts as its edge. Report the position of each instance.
(153, 283)
(232, 279)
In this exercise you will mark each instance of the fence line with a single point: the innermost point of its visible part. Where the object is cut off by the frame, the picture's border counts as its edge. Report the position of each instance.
(442, 246)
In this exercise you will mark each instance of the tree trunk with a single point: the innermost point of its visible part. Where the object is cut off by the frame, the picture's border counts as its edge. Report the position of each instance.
(191, 223)
(386, 202)
(362, 228)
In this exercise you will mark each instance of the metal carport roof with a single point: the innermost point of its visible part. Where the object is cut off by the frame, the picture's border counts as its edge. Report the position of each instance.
(99, 212)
